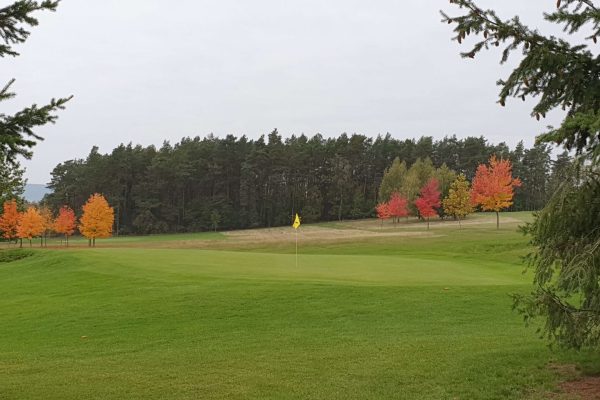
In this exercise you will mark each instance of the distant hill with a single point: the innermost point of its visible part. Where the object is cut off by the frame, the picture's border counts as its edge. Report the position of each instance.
(35, 192)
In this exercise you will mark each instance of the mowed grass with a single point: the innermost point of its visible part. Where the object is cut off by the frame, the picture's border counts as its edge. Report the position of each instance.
(383, 318)
(125, 240)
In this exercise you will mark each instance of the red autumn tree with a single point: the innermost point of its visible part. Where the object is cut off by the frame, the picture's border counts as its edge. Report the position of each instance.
(383, 211)
(398, 206)
(65, 223)
(428, 200)
(492, 187)
(9, 220)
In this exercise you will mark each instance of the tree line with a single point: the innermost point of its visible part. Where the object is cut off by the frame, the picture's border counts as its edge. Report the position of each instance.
(96, 221)
(235, 183)
(492, 190)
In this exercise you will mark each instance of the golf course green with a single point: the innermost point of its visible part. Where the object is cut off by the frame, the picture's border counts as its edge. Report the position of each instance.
(414, 315)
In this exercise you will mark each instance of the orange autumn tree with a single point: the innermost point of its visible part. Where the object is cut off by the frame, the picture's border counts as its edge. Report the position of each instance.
(383, 212)
(65, 223)
(492, 187)
(31, 224)
(97, 219)
(9, 220)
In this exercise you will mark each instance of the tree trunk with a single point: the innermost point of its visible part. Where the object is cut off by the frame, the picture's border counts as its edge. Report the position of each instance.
(89, 242)
(117, 219)
(427, 223)
(94, 242)
(459, 225)
(497, 220)
(340, 210)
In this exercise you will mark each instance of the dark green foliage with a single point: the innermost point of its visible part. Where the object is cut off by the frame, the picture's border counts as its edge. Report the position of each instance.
(534, 168)
(567, 263)
(563, 74)
(255, 183)
(12, 183)
(552, 70)
(215, 219)
(16, 131)
(7, 256)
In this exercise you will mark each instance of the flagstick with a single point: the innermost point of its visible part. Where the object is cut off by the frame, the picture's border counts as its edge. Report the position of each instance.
(296, 247)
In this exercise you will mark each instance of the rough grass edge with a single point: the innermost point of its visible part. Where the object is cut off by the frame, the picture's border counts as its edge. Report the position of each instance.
(11, 255)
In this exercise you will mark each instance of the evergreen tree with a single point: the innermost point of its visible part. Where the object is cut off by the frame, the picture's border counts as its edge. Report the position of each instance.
(536, 161)
(560, 171)
(16, 131)
(12, 183)
(563, 74)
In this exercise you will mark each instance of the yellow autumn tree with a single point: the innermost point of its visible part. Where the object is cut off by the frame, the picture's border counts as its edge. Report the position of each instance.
(97, 219)
(458, 202)
(31, 224)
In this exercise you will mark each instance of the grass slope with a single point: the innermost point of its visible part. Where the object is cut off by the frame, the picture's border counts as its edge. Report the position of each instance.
(407, 318)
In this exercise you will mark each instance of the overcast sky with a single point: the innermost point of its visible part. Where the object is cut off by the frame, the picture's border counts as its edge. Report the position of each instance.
(144, 71)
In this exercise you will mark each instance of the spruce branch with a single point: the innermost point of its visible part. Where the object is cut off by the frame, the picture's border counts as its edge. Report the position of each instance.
(553, 71)
(16, 131)
(12, 19)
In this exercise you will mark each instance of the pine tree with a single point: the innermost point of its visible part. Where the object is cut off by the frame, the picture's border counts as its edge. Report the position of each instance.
(458, 202)
(563, 74)
(16, 131)
(12, 183)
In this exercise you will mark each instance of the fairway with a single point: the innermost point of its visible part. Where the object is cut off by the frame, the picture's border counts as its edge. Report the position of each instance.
(387, 315)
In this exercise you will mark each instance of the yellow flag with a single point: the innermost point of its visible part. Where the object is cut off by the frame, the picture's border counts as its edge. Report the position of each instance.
(296, 223)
